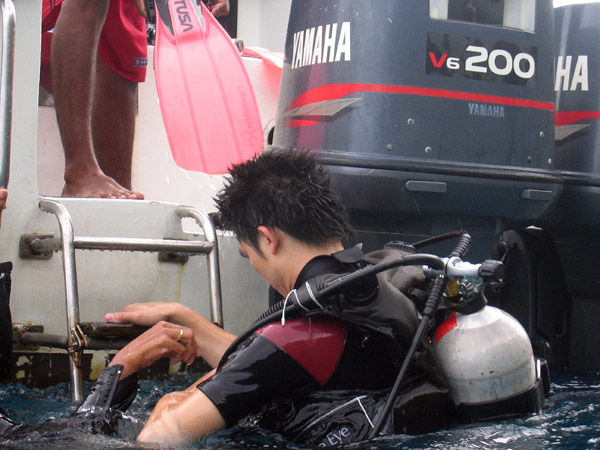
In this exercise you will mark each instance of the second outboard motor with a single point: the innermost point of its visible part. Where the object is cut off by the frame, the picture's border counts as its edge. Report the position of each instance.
(577, 118)
(574, 221)
(577, 86)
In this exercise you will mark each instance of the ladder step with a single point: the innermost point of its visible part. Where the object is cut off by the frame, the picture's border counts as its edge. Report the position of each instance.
(111, 330)
(98, 335)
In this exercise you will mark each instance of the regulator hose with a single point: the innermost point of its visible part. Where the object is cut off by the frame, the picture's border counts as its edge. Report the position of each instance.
(464, 242)
(436, 239)
(431, 306)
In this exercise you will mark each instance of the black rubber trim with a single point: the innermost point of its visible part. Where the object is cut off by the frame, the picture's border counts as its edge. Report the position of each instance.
(460, 169)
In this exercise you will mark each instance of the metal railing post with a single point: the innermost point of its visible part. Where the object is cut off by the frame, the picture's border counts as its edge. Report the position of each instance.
(214, 271)
(7, 67)
(70, 274)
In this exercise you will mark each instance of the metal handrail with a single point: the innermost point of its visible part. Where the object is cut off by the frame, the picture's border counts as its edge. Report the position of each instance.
(7, 66)
(75, 341)
(43, 245)
(208, 247)
(70, 275)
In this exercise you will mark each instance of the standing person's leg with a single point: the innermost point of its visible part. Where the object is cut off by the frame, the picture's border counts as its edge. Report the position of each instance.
(121, 65)
(74, 48)
(112, 133)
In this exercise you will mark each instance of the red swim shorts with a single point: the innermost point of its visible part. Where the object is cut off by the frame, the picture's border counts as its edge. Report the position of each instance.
(122, 43)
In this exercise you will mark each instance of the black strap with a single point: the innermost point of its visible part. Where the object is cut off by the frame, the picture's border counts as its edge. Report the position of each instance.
(5, 320)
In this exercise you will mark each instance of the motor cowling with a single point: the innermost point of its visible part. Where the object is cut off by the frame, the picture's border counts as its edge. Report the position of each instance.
(489, 365)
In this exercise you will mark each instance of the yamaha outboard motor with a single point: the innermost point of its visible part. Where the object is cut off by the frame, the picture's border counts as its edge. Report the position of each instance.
(574, 223)
(577, 87)
(426, 113)
(548, 291)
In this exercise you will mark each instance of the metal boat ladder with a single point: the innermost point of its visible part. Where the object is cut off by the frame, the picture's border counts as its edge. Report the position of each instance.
(75, 341)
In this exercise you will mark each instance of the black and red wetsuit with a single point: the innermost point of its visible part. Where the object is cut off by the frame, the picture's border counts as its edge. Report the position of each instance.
(301, 357)
(6, 338)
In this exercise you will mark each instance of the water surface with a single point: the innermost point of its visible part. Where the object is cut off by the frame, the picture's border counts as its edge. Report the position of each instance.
(571, 420)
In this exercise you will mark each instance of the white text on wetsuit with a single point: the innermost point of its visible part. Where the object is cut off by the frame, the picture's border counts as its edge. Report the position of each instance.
(321, 44)
(337, 438)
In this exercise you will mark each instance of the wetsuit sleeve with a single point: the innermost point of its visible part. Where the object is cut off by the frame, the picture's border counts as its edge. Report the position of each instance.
(125, 392)
(255, 373)
(109, 391)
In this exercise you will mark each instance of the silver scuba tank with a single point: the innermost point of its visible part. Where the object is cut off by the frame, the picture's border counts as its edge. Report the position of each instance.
(489, 365)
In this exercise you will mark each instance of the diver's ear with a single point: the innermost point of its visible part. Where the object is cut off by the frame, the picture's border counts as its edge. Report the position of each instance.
(270, 237)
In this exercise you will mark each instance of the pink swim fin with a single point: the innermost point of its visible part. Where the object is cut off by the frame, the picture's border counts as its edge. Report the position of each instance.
(208, 106)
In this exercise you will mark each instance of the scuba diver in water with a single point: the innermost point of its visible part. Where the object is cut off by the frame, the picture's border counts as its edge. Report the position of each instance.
(317, 380)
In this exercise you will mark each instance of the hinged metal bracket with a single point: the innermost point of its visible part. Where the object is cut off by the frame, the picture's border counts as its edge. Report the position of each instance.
(26, 250)
(172, 257)
(169, 256)
(19, 329)
(76, 345)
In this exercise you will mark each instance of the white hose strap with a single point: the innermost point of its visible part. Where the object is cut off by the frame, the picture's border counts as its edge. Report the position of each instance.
(284, 305)
(312, 296)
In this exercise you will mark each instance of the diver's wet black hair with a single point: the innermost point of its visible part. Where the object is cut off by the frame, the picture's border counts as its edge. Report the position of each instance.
(283, 189)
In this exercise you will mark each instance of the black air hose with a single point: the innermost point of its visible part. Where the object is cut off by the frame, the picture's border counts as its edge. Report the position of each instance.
(274, 309)
(436, 239)
(463, 245)
(432, 261)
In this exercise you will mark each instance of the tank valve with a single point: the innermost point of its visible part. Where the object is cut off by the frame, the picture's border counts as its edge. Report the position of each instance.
(492, 270)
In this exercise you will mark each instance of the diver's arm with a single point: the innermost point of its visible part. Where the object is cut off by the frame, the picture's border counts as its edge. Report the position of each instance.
(211, 340)
(180, 418)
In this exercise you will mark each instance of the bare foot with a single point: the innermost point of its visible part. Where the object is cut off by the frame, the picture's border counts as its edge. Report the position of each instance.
(98, 186)
(3, 197)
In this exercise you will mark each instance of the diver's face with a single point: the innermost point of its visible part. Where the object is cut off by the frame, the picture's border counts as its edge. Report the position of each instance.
(256, 259)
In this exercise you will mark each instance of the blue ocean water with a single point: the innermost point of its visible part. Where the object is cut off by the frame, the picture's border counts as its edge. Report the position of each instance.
(571, 420)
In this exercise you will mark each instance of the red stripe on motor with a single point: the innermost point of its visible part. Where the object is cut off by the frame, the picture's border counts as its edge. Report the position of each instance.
(569, 117)
(336, 91)
(295, 123)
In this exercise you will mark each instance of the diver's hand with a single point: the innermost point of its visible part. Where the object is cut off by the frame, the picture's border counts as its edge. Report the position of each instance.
(209, 338)
(149, 314)
(163, 340)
